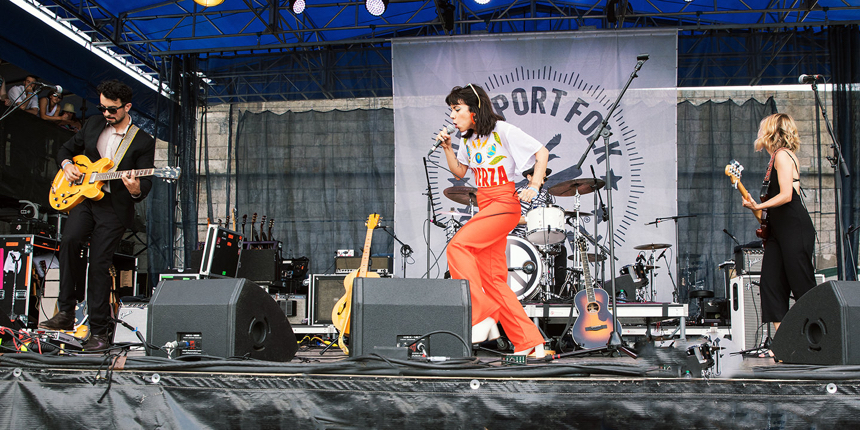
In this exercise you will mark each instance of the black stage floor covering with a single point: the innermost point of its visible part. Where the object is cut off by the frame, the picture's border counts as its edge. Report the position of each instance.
(333, 391)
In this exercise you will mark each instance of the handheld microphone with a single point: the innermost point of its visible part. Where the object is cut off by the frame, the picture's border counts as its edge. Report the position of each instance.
(450, 129)
(732, 236)
(808, 79)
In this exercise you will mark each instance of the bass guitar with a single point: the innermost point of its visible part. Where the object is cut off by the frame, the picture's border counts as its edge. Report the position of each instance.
(594, 325)
(65, 195)
(733, 171)
(343, 308)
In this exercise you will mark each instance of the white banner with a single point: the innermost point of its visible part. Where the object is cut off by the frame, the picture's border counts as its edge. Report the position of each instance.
(557, 88)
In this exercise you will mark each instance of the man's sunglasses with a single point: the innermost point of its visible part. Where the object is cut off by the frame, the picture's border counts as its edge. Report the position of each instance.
(111, 109)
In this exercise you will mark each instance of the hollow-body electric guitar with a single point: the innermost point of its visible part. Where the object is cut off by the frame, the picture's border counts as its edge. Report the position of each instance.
(343, 308)
(594, 325)
(65, 195)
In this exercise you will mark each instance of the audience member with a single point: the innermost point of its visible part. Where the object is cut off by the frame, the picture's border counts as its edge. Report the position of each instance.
(19, 93)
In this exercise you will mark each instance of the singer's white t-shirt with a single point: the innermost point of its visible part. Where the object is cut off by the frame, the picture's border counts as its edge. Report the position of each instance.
(499, 158)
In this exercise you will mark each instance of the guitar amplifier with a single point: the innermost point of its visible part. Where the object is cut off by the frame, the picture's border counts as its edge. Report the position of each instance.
(748, 261)
(348, 264)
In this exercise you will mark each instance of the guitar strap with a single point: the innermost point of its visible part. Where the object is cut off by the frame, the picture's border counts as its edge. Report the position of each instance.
(123, 147)
(766, 183)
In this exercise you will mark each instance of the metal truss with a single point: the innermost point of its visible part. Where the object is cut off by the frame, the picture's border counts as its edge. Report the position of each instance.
(260, 50)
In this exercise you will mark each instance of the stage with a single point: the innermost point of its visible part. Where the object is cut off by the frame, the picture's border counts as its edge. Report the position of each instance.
(334, 391)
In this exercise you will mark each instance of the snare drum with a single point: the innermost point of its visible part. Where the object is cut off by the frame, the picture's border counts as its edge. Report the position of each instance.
(523, 257)
(545, 225)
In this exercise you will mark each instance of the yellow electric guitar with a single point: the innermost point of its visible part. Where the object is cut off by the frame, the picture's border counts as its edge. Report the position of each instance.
(65, 195)
(343, 308)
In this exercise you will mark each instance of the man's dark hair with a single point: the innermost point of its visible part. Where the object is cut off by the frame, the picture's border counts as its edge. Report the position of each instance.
(115, 90)
(35, 78)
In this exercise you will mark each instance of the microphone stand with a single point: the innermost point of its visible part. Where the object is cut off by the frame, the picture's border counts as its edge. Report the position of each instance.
(836, 159)
(405, 250)
(431, 219)
(615, 343)
(13, 108)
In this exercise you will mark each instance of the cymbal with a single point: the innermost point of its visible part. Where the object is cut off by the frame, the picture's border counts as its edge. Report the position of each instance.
(652, 246)
(570, 214)
(462, 195)
(591, 257)
(569, 188)
(455, 213)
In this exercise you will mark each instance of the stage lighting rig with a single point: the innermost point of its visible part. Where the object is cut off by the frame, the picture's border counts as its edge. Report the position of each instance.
(208, 3)
(376, 7)
(297, 6)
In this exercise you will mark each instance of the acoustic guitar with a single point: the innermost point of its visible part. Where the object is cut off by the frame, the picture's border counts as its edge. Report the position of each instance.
(342, 309)
(65, 195)
(594, 324)
(733, 171)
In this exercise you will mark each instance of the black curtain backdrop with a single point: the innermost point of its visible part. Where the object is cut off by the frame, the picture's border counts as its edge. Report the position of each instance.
(709, 136)
(319, 175)
(844, 47)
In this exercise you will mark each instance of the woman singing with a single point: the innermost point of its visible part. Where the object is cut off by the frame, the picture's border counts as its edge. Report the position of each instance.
(787, 265)
(495, 151)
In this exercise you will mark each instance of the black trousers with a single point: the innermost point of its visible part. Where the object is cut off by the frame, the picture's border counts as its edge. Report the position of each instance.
(97, 221)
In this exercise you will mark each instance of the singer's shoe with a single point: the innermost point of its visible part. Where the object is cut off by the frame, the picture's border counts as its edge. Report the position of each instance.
(483, 330)
(536, 352)
(97, 343)
(60, 321)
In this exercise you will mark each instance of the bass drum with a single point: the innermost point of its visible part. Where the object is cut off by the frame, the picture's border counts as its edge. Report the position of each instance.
(525, 267)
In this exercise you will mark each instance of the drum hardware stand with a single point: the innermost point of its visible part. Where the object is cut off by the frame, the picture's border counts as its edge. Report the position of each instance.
(615, 343)
(677, 253)
(604, 216)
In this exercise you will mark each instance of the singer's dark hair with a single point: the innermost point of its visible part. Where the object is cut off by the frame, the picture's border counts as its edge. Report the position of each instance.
(115, 90)
(35, 78)
(485, 118)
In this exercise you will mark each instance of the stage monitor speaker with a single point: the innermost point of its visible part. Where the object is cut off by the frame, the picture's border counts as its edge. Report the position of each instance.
(822, 327)
(390, 313)
(220, 317)
(326, 290)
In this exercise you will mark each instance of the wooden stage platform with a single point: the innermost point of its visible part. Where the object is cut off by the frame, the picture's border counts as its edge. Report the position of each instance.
(314, 391)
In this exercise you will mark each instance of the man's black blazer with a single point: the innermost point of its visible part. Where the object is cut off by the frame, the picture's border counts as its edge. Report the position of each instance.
(140, 155)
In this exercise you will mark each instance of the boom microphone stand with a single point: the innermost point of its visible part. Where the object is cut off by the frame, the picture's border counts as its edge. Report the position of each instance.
(615, 342)
(836, 159)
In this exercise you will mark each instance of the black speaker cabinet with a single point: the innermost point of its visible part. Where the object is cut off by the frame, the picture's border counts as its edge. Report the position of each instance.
(263, 266)
(391, 312)
(822, 327)
(326, 290)
(220, 317)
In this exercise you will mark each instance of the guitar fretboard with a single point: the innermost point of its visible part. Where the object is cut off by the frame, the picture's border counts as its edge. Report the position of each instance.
(109, 176)
(589, 287)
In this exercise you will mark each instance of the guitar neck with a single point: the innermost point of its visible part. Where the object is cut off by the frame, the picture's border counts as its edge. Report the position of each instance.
(109, 176)
(365, 254)
(589, 287)
(746, 195)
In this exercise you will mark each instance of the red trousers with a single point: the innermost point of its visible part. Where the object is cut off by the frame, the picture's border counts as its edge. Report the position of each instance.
(477, 253)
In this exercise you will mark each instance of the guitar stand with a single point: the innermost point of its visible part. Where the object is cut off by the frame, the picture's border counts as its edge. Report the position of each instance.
(328, 346)
(602, 349)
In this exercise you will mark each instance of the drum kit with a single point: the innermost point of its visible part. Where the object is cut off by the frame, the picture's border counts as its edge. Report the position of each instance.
(532, 257)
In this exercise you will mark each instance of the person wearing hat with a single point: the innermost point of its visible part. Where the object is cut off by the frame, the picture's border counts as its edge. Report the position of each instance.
(73, 123)
(543, 199)
(49, 108)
